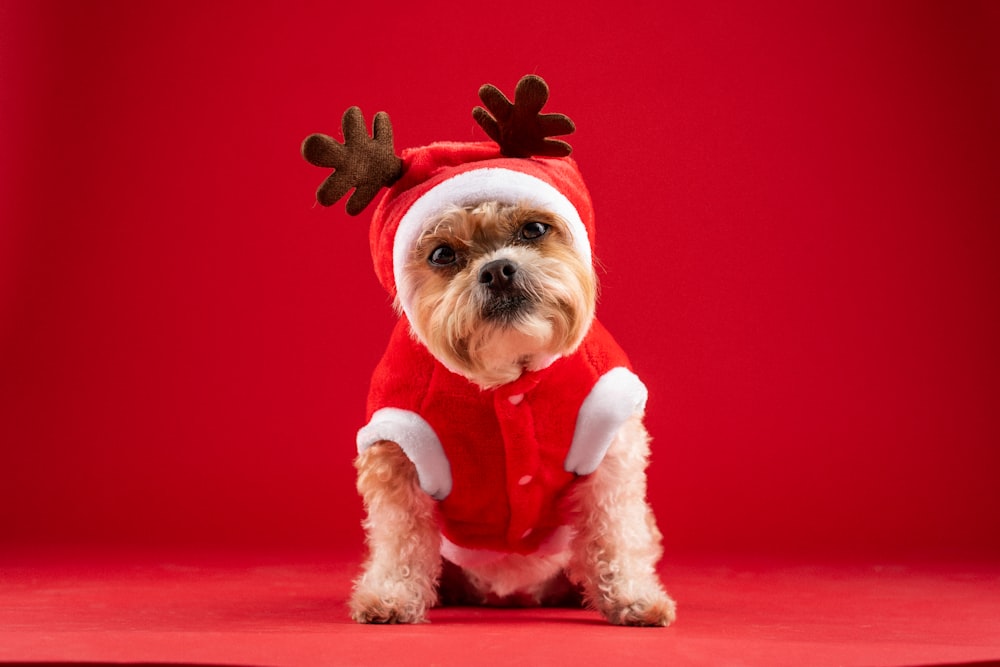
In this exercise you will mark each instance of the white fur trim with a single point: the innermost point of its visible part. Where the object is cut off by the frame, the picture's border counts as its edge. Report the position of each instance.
(557, 543)
(616, 396)
(503, 573)
(473, 187)
(418, 440)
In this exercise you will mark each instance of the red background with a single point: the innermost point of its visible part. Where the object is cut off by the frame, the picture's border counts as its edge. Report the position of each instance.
(797, 208)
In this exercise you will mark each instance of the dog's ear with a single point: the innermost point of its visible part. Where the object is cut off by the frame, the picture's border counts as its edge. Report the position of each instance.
(362, 163)
(519, 127)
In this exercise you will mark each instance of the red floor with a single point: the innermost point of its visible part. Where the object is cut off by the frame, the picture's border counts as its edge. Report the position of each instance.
(289, 610)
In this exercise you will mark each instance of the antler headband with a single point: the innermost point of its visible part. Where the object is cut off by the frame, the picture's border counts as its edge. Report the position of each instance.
(367, 164)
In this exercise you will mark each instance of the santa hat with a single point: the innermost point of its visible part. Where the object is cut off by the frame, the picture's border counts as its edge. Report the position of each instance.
(522, 166)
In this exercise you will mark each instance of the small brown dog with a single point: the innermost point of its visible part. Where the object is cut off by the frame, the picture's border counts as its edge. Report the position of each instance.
(504, 457)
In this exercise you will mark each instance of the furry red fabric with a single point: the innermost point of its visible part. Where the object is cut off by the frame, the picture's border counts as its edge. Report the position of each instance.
(507, 449)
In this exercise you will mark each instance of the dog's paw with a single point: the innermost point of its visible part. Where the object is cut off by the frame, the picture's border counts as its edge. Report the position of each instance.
(370, 606)
(656, 611)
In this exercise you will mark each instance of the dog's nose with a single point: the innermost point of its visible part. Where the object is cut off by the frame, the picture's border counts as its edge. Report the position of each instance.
(498, 274)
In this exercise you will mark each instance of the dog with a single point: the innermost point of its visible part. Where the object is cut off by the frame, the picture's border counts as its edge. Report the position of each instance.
(504, 458)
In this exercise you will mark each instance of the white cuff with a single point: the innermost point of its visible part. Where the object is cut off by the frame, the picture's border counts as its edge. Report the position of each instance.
(618, 395)
(417, 439)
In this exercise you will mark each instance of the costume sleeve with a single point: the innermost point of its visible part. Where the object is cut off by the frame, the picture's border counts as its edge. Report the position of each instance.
(397, 391)
(617, 395)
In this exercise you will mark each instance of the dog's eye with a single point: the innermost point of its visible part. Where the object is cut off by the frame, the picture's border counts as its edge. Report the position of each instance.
(442, 256)
(532, 231)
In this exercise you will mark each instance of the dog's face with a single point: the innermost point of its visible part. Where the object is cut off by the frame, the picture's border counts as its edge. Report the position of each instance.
(497, 289)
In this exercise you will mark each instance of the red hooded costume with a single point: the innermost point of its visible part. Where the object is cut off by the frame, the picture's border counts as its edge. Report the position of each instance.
(498, 461)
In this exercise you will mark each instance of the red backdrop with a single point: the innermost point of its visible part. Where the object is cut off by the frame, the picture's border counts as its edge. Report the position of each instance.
(798, 218)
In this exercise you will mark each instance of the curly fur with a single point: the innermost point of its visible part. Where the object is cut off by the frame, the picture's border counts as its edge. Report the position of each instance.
(618, 544)
(612, 556)
(399, 579)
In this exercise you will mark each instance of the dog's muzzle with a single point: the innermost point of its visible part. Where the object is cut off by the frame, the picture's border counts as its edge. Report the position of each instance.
(504, 297)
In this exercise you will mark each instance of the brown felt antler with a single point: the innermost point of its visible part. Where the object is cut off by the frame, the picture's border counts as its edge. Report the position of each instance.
(519, 128)
(363, 163)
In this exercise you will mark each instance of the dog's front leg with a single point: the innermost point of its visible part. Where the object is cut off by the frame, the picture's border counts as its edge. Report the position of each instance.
(618, 544)
(399, 580)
